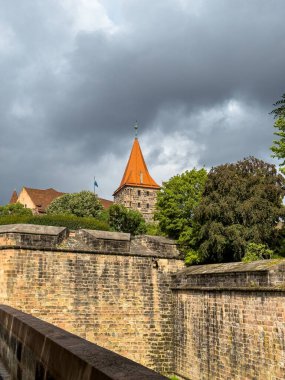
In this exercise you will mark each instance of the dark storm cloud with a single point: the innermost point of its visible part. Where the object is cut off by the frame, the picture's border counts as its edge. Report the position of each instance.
(207, 71)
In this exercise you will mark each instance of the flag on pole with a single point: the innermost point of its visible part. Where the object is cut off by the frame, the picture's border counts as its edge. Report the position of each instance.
(95, 184)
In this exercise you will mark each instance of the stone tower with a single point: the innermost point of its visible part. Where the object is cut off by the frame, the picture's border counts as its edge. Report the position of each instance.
(137, 189)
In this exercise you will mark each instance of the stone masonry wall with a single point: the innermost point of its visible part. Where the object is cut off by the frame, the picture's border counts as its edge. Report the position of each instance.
(120, 302)
(138, 198)
(230, 322)
(31, 349)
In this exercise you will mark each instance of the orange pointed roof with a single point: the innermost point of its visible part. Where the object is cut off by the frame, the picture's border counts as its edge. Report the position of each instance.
(136, 172)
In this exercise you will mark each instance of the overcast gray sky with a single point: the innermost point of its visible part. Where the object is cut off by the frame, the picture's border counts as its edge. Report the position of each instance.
(200, 77)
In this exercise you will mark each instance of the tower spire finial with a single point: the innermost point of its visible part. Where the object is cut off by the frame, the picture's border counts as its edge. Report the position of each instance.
(136, 127)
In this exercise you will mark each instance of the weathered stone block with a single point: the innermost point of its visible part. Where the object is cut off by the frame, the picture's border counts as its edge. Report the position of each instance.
(105, 241)
(29, 235)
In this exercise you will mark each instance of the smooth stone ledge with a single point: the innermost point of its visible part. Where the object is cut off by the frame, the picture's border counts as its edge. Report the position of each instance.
(64, 355)
(108, 235)
(231, 289)
(153, 255)
(31, 229)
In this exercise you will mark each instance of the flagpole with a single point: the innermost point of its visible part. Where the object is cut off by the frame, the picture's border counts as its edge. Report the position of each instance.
(94, 186)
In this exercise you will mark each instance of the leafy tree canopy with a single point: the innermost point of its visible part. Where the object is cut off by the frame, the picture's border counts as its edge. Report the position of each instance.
(257, 252)
(242, 203)
(278, 147)
(122, 219)
(176, 202)
(15, 209)
(83, 204)
(279, 110)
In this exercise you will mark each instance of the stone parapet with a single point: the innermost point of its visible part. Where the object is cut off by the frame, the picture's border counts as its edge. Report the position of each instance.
(230, 321)
(33, 349)
(166, 247)
(106, 241)
(46, 238)
(258, 274)
(29, 235)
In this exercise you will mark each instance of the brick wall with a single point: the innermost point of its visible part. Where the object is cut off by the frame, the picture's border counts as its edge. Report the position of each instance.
(230, 321)
(121, 302)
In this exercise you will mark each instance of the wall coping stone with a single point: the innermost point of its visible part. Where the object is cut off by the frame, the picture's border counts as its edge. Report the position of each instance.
(262, 275)
(159, 239)
(65, 355)
(254, 266)
(153, 255)
(31, 229)
(59, 239)
(108, 235)
(252, 288)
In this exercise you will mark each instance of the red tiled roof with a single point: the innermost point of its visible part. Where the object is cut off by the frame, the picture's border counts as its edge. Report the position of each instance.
(14, 198)
(136, 172)
(105, 202)
(42, 198)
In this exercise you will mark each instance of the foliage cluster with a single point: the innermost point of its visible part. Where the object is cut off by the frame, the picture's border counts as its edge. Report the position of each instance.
(176, 203)
(278, 147)
(82, 204)
(257, 252)
(87, 204)
(242, 203)
(215, 217)
(15, 209)
(79, 210)
(70, 221)
(126, 220)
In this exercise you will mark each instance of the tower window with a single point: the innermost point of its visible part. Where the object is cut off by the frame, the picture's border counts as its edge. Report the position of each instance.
(139, 205)
(147, 205)
(147, 193)
(139, 193)
(130, 204)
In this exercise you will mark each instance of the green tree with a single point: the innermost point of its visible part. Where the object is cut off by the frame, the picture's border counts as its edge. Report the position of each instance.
(176, 202)
(15, 209)
(83, 204)
(257, 252)
(279, 110)
(122, 219)
(278, 147)
(242, 203)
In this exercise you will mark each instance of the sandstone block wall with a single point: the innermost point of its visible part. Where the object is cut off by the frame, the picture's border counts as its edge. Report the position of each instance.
(132, 296)
(122, 302)
(138, 198)
(28, 235)
(230, 321)
(35, 350)
(106, 241)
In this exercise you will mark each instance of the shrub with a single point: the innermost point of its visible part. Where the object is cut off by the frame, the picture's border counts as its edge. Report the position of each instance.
(122, 219)
(14, 219)
(70, 221)
(257, 252)
(83, 204)
(153, 229)
(192, 257)
(15, 209)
